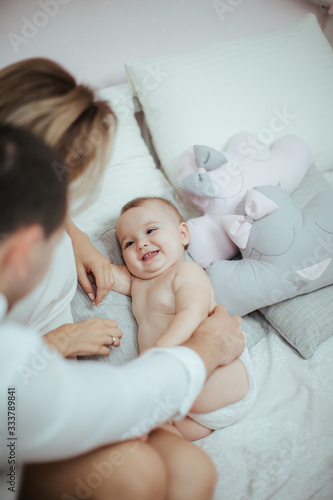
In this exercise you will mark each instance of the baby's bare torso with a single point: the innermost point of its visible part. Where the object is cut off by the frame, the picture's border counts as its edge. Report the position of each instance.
(153, 306)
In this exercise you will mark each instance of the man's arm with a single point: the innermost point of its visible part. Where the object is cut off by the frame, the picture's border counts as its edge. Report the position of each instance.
(85, 405)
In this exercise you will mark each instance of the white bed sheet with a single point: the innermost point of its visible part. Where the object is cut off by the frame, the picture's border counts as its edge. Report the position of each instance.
(283, 449)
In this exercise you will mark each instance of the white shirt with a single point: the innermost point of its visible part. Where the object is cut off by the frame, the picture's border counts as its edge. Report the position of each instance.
(64, 408)
(47, 306)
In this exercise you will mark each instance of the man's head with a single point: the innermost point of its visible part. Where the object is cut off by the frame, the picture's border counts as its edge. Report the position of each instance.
(33, 206)
(152, 235)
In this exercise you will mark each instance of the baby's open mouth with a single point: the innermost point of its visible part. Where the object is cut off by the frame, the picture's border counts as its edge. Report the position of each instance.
(150, 255)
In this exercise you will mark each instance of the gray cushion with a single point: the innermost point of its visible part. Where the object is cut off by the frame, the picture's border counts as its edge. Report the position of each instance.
(255, 327)
(305, 321)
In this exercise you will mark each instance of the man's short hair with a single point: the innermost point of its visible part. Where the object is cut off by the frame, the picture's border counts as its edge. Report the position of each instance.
(30, 190)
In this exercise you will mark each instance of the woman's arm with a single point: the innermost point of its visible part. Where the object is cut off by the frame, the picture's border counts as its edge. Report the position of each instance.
(89, 260)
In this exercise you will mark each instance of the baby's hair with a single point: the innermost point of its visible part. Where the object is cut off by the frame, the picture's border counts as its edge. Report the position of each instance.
(138, 202)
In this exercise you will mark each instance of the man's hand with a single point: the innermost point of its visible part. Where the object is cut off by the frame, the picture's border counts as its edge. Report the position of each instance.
(218, 339)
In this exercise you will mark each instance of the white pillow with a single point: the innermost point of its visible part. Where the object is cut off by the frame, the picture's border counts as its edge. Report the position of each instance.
(270, 85)
(129, 143)
(131, 172)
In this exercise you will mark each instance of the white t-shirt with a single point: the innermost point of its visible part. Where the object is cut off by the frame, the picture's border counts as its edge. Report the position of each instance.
(47, 306)
(60, 408)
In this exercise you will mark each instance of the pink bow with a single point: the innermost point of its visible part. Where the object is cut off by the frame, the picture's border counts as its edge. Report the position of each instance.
(238, 227)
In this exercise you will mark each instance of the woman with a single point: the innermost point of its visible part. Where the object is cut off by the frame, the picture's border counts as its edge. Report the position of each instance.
(41, 96)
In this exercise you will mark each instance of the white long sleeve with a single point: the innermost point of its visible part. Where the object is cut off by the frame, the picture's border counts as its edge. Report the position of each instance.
(64, 408)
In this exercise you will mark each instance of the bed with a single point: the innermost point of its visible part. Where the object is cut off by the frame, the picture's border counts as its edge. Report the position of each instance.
(283, 449)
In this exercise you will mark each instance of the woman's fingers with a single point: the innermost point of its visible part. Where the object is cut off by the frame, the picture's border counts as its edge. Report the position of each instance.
(92, 336)
(104, 351)
(103, 278)
(85, 283)
(115, 341)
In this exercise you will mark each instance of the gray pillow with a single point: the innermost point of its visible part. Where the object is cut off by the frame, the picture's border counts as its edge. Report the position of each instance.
(255, 327)
(305, 321)
(115, 306)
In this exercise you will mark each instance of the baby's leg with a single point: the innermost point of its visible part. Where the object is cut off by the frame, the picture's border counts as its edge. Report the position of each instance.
(191, 430)
(227, 385)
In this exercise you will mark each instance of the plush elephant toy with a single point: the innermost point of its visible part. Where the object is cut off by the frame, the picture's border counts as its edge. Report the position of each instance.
(215, 183)
(286, 251)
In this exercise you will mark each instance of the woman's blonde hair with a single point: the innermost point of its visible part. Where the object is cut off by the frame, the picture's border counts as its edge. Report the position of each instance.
(41, 96)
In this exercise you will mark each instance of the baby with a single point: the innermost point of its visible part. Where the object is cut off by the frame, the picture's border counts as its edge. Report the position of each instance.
(170, 297)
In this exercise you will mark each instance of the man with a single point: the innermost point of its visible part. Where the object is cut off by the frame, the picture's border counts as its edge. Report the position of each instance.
(66, 416)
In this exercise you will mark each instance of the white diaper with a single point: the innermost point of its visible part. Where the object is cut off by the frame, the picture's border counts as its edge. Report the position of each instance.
(228, 415)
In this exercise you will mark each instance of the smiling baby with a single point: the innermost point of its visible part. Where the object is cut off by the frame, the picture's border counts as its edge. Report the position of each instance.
(170, 298)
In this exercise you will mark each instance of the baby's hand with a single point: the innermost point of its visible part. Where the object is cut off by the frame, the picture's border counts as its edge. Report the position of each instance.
(112, 277)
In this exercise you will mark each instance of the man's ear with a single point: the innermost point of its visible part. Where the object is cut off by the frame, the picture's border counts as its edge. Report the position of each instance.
(185, 233)
(17, 249)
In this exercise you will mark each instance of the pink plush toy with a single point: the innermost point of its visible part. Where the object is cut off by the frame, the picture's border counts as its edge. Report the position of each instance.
(215, 183)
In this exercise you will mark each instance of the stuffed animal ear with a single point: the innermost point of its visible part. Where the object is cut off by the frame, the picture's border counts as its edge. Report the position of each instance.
(198, 184)
(256, 206)
(208, 158)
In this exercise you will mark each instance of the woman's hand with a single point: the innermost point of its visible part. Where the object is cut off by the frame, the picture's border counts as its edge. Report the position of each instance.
(92, 336)
(90, 263)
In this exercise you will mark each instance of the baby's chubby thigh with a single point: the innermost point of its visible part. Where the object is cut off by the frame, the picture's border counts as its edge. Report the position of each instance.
(227, 385)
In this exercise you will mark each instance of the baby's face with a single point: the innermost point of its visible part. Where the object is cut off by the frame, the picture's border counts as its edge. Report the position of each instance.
(152, 239)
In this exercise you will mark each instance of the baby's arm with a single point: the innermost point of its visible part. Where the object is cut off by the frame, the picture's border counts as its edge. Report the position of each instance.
(194, 299)
(121, 279)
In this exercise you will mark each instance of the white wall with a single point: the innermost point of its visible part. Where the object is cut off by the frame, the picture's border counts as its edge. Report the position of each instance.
(93, 38)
